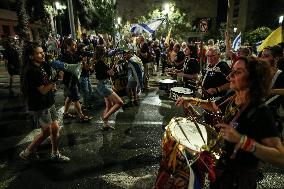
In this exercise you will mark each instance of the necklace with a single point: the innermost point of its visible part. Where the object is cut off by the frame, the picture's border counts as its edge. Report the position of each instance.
(231, 111)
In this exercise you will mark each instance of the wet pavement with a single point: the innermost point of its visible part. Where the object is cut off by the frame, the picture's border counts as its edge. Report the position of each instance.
(126, 158)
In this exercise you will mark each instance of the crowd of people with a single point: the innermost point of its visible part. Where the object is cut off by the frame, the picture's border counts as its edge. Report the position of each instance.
(240, 92)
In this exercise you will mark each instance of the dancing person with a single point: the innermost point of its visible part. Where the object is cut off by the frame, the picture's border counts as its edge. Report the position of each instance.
(145, 55)
(71, 83)
(39, 91)
(247, 128)
(134, 78)
(85, 82)
(103, 73)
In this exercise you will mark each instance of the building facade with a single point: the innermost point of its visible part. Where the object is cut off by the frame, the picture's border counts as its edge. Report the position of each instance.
(249, 14)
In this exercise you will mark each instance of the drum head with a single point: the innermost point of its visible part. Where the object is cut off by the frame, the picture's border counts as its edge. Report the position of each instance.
(182, 90)
(167, 81)
(177, 92)
(185, 132)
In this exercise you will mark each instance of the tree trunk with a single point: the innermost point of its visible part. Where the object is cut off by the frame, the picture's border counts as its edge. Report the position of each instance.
(23, 21)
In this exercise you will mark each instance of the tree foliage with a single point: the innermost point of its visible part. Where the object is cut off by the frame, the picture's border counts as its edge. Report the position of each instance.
(257, 35)
(96, 15)
(87, 13)
(180, 22)
(28, 12)
(38, 13)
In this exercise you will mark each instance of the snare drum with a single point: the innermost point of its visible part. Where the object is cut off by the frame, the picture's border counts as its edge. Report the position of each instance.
(177, 92)
(180, 145)
(167, 84)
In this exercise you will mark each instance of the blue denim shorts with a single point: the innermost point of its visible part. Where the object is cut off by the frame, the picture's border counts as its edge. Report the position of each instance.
(104, 87)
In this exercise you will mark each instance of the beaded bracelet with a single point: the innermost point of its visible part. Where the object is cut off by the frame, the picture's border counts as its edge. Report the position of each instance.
(249, 145)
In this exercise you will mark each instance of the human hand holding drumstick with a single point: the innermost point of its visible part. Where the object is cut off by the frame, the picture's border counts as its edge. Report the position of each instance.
(229, 133)
(186, 103)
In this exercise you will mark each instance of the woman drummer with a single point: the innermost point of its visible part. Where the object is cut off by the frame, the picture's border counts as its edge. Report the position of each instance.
(247, 127)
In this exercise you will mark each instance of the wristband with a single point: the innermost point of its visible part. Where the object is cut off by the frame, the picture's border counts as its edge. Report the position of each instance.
(217, 90)
(198, 102)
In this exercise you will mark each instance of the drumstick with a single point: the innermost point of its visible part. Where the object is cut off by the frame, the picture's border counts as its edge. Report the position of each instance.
(180, 127)
(198, 128)
(192, 111)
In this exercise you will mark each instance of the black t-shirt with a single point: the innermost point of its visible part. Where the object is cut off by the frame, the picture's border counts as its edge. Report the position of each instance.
(256, 121)
(101, 70)
(190, 67)
(68, 78)
(144, 49)
(178, 60)
(36, 77)
(216, 76)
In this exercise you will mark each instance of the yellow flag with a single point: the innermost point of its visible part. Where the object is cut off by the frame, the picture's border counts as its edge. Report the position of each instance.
(168, 37)
(273, 39)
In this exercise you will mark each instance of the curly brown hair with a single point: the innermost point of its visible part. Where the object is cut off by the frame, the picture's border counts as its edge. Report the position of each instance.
(259, 77)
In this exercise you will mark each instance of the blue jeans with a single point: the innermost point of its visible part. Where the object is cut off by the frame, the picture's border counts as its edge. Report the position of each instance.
(86, 90)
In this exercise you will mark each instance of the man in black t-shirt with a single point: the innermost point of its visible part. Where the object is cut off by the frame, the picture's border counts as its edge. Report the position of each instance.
(72, 83)
(145, 56)
(215, 74)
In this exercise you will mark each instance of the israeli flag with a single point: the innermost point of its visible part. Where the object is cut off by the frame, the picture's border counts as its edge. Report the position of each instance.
(237, 42)
(136, 29)
(150, 27)
(258, 43)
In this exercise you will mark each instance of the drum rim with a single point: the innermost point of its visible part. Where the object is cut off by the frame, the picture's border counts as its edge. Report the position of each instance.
(176, 140)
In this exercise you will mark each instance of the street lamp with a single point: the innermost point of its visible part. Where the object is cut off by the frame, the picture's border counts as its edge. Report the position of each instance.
(280, 20)
(280, 24)
(235, 30)
(118, 20)
(118, 26)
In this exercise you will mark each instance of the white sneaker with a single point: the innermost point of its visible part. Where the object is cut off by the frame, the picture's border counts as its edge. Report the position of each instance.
(27, 155)
(59, 158)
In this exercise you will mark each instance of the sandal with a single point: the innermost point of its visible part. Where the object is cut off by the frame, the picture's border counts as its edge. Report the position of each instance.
(106, 126)
(68, 115)
(105, 121)
(85, 118)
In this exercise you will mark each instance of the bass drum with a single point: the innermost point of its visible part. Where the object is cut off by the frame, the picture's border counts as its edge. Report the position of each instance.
(119, 78)
(181, 148)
